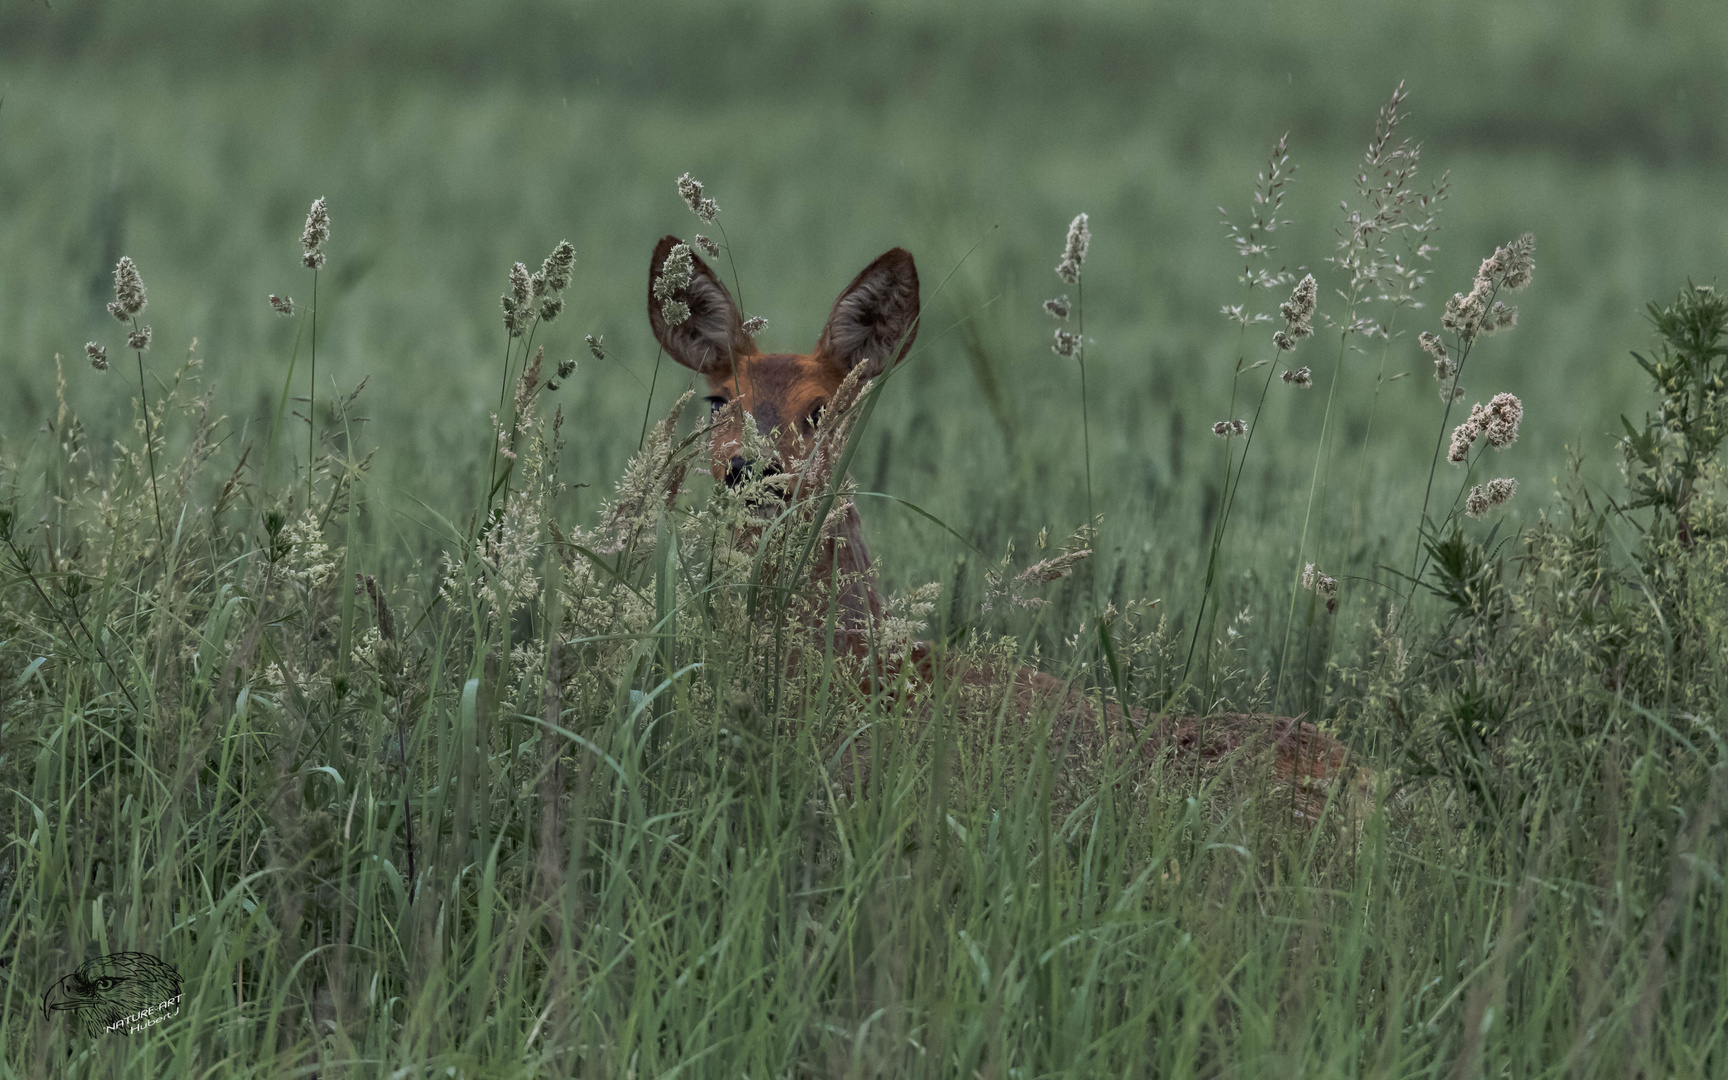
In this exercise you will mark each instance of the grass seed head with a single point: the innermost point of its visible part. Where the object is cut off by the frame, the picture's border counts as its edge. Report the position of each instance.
(1517, 262)
(1066, 344)
(690, 190)
(755, 324)
(1229, 429)
(555, 271)
(1301, 378)
(139, 339)
(283, 305)
(98, 355)
(128, 290)
(1058, 308)
(1476, 503)
(1500, 490)
(1299, 309)
(1499, 422)
(316, 232)
(709, 247)
(596, 345)
(1074, 249)
(1463, 437)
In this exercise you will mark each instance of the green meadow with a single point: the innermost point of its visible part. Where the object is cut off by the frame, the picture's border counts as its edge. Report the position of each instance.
(415, 758)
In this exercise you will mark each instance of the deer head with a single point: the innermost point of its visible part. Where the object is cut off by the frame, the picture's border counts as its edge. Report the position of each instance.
(872, 324)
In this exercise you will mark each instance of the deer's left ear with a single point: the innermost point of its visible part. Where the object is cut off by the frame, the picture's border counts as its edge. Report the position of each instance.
(876, 317)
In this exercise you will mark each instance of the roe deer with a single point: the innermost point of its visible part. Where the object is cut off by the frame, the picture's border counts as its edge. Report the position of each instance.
(871, 327)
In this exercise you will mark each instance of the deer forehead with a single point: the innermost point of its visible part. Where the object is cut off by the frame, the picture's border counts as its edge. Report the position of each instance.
(778, 389)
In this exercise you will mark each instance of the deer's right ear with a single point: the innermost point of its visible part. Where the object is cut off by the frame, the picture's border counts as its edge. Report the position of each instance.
(713, 335)
(876, 318)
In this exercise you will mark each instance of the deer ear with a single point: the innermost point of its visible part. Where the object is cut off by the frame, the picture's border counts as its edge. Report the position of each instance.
(876, 317)
(713, 335)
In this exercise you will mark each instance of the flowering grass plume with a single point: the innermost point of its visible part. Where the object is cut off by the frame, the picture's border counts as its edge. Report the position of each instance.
(313, 236)
(1252, 241)
(282, 305)
(1297, 312)
(1497, 422)
(517, 302)
(1059, 308)
(690, 190)
(1301, 378)
(676, 273)
(755, 324)
(1484, 497)
(129, 300)
(1229, 429)
(1510, 267)
(1067, 343)
(98, 355)
(709, 247)
(1501, 419)
(1074, 249)
(1315, 582)
(1389, 204)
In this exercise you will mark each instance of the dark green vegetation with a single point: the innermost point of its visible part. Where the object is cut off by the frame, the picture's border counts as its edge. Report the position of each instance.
(209, 738)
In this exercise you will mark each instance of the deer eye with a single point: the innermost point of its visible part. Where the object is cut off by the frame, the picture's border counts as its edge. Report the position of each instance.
(715, 404)
(815, 417)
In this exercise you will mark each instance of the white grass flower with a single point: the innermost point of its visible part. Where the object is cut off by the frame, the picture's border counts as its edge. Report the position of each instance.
(1463, 437)
(1301, 378)
(676, 273)
(283, 305)
(139, 339)
(1308, 577)
(1500, 317)
(1326, 587)
(98, 355)
(709, 247)
(316, 232)
(1501, 419)
(1299, 309)
(1500, 490)
(1074, 249)
(1229, 429)
(128, 290)
(755, 324)
(1432, 345)
(555, 271)
(1066, 343)
(1518, 262)
(1058, 308)
(690, 190)
(1476, 503)
(596, 345)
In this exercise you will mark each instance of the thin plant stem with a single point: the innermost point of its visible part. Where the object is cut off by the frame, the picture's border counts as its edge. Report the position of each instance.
(149, 442)
(312, 394)
(1313, 487)
(1085, 427)
(648, 408)
(1227, 502)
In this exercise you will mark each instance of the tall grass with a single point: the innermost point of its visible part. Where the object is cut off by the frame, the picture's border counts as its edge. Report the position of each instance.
(556, 804)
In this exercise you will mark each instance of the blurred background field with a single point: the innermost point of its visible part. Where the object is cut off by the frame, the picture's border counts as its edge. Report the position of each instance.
(452, 140)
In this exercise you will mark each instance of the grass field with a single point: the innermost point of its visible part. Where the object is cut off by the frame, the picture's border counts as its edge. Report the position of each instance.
(519, 812)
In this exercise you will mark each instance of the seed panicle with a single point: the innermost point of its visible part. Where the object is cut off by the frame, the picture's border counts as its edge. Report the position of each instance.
(1074, 248)
(316, 232)
(690, 190)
